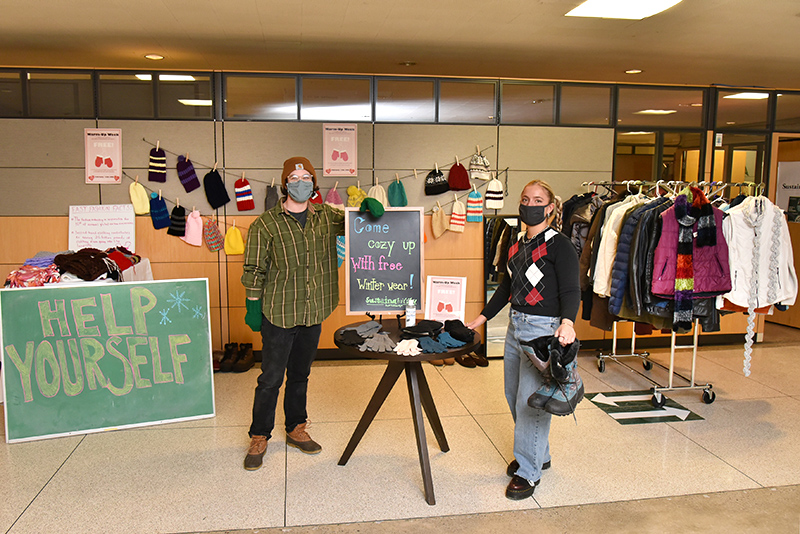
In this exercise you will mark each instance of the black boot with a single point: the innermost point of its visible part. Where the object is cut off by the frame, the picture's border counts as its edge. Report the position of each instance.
(245, 359)
(231, 351)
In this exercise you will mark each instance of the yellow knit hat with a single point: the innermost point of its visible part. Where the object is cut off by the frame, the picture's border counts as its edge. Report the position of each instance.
(234, 244)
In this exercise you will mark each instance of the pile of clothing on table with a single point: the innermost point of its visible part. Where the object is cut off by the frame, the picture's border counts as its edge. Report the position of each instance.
(87, 264)
(426, 336)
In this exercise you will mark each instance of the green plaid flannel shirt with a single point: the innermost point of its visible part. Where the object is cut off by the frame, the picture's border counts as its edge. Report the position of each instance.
(293, 270)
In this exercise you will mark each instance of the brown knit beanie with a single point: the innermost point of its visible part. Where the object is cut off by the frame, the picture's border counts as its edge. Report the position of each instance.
(295, 163)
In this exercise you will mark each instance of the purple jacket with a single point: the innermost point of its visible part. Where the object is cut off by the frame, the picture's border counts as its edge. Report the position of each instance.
(712, 274)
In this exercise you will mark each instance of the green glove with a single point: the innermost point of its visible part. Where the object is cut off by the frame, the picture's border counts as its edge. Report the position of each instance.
(253, 317)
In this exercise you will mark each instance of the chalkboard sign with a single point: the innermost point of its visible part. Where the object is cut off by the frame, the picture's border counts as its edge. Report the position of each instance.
(384, 260)
(80, 358)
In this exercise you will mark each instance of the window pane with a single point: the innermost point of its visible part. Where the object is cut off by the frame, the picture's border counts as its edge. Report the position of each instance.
(787, 116)
(660, 107)
(188, 98)
(635, 154)
(10, 94)
(681, 156)
(405, 101)
(336, 99)
(60, 95)
(741, 158)
(742, 109)
(126, 96)
(258, 97)
(527, 104)
(467, 102)
(587, 105)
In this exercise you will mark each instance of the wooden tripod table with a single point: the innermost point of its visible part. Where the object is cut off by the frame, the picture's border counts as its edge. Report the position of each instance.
(418, 392)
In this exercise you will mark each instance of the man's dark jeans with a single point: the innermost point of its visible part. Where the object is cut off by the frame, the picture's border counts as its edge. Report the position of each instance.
(290, 351)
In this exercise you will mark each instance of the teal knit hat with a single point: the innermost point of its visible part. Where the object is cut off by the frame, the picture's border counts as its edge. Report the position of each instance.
(397, 194)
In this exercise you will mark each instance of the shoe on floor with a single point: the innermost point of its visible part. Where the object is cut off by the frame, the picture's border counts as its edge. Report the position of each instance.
(449, 361)
(466, 360)
(519, 488)
(437, 363)
(511, 470)
(231, 352)
(255, 453)
(244, 358)
(479, 359)
(300, 439)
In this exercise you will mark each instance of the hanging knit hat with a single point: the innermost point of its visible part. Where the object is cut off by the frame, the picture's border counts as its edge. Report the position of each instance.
(157, 172)
(216, 193)
(234, 244)
(438, 222)
(177, 222)
(397, 194)
(459, 217)
(355, 196)
(194, 229)
(212, 236)
(378, 193)
(474, 207)
(479, 167)
(494, 195)
(141, 205)
(436, 183)
(340, 250)
(333, 199)
(457, 178)
(244, 195)
(315, 198)
(187, 175)
(272, 197)
(158, 212)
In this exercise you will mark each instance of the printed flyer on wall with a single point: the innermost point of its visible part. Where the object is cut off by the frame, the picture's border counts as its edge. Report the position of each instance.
(339, 149)
(445, 298)
(103, 148)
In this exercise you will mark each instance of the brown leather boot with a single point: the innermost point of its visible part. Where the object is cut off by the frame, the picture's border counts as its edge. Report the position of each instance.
(255, 453)
(300, 439)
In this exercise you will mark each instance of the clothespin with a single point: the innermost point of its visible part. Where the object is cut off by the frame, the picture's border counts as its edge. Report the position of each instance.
(159, 194)
(234, 224)
(437, 203)
(456, 159)
(415, 173)
(477, 149)
(187, 156)
(358, 184)
(215, 166)
(437, 167)
(397, 177)
(242, 172)
(177, 202)
(455, 198)
(334, 185)
(137, 178)
(474, 188)
(273, 182)
(158, 144)
(193, 208)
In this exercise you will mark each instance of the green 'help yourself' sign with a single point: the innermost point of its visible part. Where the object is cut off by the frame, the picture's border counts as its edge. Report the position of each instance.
(79, 358)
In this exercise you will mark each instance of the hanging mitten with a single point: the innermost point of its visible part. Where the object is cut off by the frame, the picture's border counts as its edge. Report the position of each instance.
(378, 193)
(141, 204)
(177, 222)
(244, 195)
(333, 199)
(438, 222)
(157, 171)
(194, 229)
(212, 236)
(355, 196)
(186, 174)
(315, 198)
(430, 345)
(373, 206)
(158, 211)
(272, 197)
(397, 194)
(459, 217)
(474, 207)
(234, 244)
(216, 194)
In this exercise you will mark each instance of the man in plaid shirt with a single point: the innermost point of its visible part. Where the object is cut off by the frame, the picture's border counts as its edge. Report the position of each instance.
(291, 281)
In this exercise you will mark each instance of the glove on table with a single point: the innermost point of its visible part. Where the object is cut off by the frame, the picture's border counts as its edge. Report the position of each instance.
(368, 329)
(384, 342)
(457, 329)
(449, 341)
(350, 337)
(408, 347)
(428, 344)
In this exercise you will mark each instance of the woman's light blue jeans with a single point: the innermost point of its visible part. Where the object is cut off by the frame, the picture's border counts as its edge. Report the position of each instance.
(522, 379)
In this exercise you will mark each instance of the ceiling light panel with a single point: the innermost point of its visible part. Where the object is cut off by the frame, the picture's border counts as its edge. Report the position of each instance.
(621, 9)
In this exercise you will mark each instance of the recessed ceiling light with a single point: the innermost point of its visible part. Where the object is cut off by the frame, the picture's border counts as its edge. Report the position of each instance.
(194, 102)
(408, 63)
(633, 71)
(656, 111)
(731, 122)
(621, 9)
(154, 57)
(167, 77)
(748, 96)
(696, 105)
(636, 133)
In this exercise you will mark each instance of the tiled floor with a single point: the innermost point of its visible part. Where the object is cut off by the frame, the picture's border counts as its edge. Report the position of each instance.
(188, 477)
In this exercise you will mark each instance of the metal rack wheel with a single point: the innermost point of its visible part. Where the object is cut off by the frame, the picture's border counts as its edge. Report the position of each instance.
(709, 396)
(601, 365)
(647, 364)
(658, 400)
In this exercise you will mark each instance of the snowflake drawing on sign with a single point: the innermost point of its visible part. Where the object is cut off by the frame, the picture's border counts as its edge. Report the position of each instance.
(198, 313)
(164, 318)
(177, 299)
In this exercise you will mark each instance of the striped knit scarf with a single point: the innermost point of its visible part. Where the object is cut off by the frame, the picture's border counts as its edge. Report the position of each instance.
(700, 212)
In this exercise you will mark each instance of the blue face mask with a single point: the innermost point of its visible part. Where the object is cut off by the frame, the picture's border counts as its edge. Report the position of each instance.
(301, 190)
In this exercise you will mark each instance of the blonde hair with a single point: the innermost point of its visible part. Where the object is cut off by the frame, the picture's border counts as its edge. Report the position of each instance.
(555, 221)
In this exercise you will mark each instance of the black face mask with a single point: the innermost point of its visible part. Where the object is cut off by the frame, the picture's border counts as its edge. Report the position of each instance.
(532, 215)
